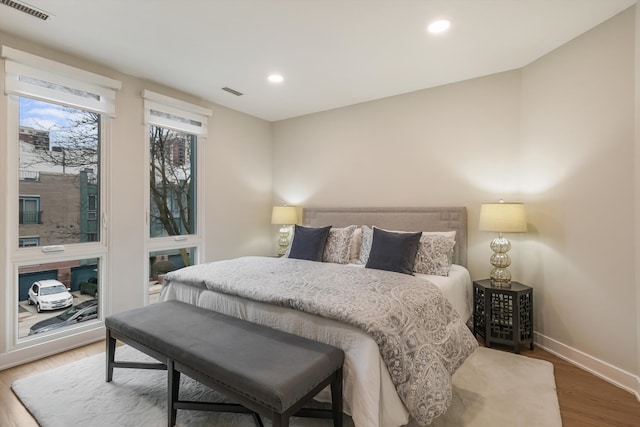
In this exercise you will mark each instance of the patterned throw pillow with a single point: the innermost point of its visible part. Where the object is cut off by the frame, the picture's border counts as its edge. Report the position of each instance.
(356, 242)
(435, 254)
(338, 247)
(365, 244)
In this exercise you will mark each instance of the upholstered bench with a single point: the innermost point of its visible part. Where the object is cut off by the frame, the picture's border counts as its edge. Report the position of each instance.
(268, 372)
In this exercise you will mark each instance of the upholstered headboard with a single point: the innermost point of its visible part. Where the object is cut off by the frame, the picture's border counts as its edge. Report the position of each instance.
(400, 219)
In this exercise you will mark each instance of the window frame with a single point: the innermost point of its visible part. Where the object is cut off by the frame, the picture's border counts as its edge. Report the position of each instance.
(193, 114)
(30, 255)
(17, 256)
(21, 204)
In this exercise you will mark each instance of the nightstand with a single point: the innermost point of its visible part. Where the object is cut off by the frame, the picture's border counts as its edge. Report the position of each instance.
(503, 315)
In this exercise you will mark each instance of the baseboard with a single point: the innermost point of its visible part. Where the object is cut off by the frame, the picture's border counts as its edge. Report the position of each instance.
(611, 374)
(38, 351)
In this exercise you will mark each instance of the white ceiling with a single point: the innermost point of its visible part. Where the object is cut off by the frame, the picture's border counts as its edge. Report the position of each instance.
(331, 53)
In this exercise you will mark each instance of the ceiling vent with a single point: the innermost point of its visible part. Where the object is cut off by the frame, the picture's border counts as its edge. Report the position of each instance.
(233, 91)
(25, 9)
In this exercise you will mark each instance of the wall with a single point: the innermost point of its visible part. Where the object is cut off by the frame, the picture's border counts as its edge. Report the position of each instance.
(448, 146)
(637, 199)
(236, 186)
(557, 134)
(577, 153)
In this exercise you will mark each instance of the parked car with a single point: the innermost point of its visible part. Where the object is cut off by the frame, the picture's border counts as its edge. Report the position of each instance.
(49, 295)
(90, 287)
(78, 313)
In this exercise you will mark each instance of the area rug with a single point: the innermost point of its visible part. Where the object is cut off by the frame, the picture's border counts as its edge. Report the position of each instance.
(492, 388)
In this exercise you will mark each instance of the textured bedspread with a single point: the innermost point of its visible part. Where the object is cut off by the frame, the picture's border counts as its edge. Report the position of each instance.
(421, 338)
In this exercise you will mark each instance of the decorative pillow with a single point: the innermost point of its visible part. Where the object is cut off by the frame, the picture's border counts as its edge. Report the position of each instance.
(365, 244)
(451, 234)
(356, 242)
(393, 251)
(367, 237)
(308, 243)
(435, 255)
(338, 247)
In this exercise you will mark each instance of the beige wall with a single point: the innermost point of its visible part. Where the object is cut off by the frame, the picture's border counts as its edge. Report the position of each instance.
(449, 146)
(557, 134)
(236, 186)
(578, 180)
(637, 200)
(578, 174)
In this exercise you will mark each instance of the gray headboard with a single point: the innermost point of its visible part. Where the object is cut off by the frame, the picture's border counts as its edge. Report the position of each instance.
(400, 219)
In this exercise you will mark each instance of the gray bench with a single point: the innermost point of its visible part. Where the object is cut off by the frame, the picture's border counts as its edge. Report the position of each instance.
(268, 372)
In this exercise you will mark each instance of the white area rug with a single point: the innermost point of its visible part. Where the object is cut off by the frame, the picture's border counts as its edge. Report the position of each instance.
(492, 389)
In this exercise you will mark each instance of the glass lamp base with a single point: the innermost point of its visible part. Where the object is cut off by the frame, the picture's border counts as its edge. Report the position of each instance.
(283, 241)
(500, 275)
(500, 278)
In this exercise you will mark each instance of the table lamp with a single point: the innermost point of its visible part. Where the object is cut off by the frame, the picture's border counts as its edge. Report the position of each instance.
(502, 218)
(285, 216)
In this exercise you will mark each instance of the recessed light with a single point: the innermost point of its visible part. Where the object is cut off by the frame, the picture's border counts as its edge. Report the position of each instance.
(276, 78)
(439, 26)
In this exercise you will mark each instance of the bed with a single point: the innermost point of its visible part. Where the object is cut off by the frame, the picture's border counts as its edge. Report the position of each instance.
(400, 350)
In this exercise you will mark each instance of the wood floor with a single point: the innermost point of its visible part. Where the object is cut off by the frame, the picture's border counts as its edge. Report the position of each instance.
(585, 400)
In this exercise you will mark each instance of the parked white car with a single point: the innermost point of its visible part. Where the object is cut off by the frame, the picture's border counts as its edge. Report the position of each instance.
(49, 295)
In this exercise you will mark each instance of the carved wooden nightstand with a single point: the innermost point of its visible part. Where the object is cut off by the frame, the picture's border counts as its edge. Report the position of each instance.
(503, 315)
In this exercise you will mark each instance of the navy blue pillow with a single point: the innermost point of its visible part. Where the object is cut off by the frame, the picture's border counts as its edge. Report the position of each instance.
(308, 243)
(393, 251)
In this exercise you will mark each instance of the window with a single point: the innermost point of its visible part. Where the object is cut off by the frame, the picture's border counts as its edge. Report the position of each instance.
(68, 171)
(164, 261)
(92, 209)
(29, 210)
(176, 131)
(51, 294)
(57, 118)
(27, 242)
(173, 182)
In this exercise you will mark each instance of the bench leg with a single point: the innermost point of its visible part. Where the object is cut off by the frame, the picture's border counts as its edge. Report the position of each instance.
(336, 398)
(278, 420)
(173, 389)
(111, 354)
(257, 419)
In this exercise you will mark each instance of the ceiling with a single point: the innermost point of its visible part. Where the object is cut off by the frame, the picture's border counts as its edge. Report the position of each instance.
(332, 53)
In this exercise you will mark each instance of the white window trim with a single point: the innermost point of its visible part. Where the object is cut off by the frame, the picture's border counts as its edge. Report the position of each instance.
(183, 109)
(18, 257)
(18, 63)
(176, 107)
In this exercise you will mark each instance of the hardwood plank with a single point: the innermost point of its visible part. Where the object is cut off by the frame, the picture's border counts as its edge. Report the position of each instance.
(12, 412)
(585, 400)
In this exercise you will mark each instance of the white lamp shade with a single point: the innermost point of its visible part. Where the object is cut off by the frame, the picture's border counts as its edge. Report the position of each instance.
(284, 215)
(503, 218)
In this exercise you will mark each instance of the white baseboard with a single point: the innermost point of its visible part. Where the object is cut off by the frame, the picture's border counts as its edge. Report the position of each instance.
(616, 376)
(38, 351)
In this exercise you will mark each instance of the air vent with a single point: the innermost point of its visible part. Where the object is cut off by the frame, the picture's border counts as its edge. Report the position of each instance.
(233, 91)
(25, 9)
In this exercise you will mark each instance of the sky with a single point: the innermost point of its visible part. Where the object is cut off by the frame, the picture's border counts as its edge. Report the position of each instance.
(54, 118)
